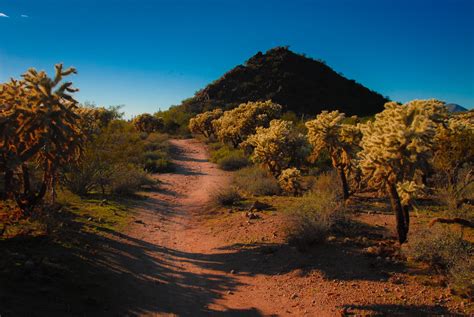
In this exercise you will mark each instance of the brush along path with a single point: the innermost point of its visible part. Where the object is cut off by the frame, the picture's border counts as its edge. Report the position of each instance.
(178, 259)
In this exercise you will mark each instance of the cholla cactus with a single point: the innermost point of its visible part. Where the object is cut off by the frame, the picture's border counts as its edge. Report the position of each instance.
(147, 123)
(93, 119)
(276, 146)
(327, 132)
(397, 145)
(38, 124)
(235, 125)
(454, 155)
(202, 123)
(290, 181)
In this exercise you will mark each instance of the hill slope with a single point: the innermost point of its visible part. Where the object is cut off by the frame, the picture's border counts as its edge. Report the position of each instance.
(300, 84)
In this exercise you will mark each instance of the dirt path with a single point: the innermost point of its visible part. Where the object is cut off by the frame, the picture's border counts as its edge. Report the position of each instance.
(176, 261)
(188, 274)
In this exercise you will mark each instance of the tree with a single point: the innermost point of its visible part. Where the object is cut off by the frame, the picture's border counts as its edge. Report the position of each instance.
(396, 147)
(147, 123)
(341, 141)
(202, 123)
(277, 146)
(235, 125)
(38, 126)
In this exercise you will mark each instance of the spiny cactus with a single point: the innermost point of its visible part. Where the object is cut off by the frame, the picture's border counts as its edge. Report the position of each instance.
(397, 146)
(290, 181)
(454, 156)
(235, 125)
(202, 123)
(276, 146)
(147, 123)
(38, 124)
(341, 141)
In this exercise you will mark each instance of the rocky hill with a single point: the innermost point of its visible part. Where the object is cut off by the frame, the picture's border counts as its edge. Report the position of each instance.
(299, 83)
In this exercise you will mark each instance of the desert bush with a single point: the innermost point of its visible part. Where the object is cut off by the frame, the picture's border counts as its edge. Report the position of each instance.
(276, 147)
(235, 125)
(290, 181)
(396, 147)
(108, 155)
(233, 162)
(226, 197)
(327, 182)
(256, 181)
(461, 277)
(228, 159)
(128, 179)
(438, 247)
(312, 217)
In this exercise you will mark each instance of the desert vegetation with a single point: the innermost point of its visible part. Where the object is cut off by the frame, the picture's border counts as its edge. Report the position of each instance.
(50, 143)
(406, 154)
(393, 190)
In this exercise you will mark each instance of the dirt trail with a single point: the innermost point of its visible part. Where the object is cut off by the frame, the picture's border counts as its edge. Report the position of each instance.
(175, 260)
(195, 275)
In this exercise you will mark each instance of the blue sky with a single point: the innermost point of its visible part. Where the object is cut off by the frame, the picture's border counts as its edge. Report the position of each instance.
(149, 54)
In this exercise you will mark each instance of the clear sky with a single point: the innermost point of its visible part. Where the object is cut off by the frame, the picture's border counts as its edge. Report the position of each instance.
(150, 54)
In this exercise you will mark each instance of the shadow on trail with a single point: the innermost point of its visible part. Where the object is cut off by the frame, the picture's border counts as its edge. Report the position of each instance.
(89, 270)
(84, 273)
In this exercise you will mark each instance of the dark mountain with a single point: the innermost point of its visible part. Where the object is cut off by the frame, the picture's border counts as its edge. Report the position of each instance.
(299, 83)
(452, 107)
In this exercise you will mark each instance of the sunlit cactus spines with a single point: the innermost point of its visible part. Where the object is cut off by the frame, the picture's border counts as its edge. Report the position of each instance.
(453, 157)
(328, 133)
(290, 181)
(38, 124)
(235, 125)
(276, 147)
(147, 123)
(202, 123)
(397, 146)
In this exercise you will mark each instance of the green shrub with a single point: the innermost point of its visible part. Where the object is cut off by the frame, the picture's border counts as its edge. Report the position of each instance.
(313, 216)
(233, 162)
(226, 197)
(438, 247)
(256, 181)
(461, 277)
(129, 179)
(327, 182)
(227, 158)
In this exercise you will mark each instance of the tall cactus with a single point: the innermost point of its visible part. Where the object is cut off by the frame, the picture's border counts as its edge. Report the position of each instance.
(38, 124)
(277, 146)
(327, 132)
(235, 125)
(202, 123)
(397, 146)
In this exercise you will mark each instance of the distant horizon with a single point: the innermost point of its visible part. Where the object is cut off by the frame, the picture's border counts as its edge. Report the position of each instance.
(151, 54)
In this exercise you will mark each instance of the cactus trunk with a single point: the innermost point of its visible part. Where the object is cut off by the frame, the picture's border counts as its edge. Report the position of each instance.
(401, 213)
